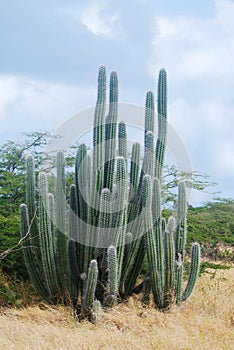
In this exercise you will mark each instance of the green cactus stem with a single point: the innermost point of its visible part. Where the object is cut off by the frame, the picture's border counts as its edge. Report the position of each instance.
(46, 238)
(194, 271)
(180, 239)
(29, 256)
(110, 132)
(112, 264)
(162, 124)
(90, 288)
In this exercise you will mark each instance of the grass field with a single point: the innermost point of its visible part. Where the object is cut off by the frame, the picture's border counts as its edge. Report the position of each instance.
(205, 321)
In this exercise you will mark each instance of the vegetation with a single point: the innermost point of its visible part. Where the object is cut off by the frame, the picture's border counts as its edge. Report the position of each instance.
(213, 226)
(12, 193)
(204, 322)
(114, 221)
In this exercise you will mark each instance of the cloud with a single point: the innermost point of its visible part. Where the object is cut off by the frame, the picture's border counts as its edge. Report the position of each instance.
(198, 54)
(28, 104)
(97, 17)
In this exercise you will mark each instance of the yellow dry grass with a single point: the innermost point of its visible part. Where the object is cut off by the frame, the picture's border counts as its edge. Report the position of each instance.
(205, 321)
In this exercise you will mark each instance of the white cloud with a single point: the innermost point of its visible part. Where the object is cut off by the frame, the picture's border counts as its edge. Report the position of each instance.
(29, 105)
(195, 48)
(97, 17)
(198, 55)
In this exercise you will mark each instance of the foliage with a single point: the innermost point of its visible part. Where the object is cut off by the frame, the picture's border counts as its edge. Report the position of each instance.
(15, 292)
(12, 193)
(213, 226)
(196, 180)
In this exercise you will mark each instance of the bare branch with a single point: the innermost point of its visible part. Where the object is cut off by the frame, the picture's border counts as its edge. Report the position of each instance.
(18, 246)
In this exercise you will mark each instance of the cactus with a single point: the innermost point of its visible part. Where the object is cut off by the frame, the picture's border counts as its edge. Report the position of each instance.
(114, 218)
(90, 288)
(112, 275)
(46, 238)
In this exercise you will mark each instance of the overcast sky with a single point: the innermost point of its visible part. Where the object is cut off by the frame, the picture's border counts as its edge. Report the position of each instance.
(51, 50)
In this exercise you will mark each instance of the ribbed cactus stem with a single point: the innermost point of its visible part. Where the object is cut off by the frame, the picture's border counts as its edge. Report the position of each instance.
(93, 219)
(74, 272)
(133, 266)
(134, 170)
(61, 251)
(104, 222)
(157, 228)
(169, 254)
(90, 286)
(120, 216)
(31, 201)
(82, 178)
(30, 187)
(148, 162)
(110, 132)
(122, 141)
(180, 240)
(152, 249)
(194, 271)
(98, 127)
(96, 311)
(171, 224)
(149, 113)
(181, 220)
(112, 264)
(46, 238)
(127, 247)
(162, 124)
(29, 257)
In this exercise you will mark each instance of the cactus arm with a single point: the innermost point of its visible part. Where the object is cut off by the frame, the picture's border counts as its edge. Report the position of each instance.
(119, 217)
(73, 271)
(73, 249)
(180, 239)
(149, 114)
(194, 271)
(133, 269)
(122, 141)
(169, 253)
(61, 250)
(112, 264)
(134, 178)
(151, 248)
(110, 132)
(46, 238)
(29, 257)
(162, 124)
(90, 287)
(31, 205)
(82, 183)
(98, 128)
(157, 228)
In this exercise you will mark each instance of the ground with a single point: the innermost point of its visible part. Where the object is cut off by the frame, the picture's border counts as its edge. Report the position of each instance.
(205, 321)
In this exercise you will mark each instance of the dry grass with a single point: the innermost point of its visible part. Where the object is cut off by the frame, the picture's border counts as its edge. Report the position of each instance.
(205, 321)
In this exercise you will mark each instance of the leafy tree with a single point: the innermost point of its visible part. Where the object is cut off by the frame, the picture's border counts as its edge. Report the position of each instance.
(12, 194)
(195, 180)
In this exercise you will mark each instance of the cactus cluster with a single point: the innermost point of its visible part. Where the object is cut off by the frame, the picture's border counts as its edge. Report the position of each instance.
(94, 256)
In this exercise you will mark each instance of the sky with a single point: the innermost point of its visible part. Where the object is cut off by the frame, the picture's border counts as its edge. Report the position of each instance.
(51, 51)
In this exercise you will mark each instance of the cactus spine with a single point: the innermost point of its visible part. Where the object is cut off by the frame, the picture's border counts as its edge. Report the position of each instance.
(115, 217)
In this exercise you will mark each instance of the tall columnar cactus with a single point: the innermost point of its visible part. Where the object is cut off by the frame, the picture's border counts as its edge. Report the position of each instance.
(114, 221)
